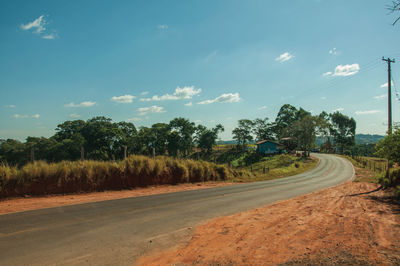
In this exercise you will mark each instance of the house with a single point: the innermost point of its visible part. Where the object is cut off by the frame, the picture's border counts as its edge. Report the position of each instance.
(266, 147)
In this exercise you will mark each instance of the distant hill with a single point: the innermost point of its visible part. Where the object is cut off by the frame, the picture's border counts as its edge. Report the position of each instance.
(360, 139)
(368, 138)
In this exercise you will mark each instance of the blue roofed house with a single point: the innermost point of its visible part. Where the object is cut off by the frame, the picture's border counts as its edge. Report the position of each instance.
(267, 147)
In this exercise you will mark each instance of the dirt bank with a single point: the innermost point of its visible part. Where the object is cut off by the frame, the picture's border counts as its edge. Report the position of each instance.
(348, 224)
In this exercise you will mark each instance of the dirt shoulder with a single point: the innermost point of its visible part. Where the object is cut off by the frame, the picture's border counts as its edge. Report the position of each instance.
(10, 205)
(351, 224)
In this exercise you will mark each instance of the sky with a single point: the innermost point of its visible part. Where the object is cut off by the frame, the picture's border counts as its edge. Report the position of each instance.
(210, 61)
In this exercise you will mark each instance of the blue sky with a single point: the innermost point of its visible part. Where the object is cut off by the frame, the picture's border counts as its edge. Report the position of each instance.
(209, 61)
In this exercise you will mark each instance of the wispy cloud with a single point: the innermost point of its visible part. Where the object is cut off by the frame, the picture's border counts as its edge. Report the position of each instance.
(385, 85)
(344, 70)
(38, 25)
(379, 97)
(323, 98)
(262, 107)
(35, 116)
(134, 119)
(338, 109)
(180, 93)
(224, 98)
(123, 99)
(151, 109)
(284, 57)
(82, 104)
(210, 56)
(10, 106)
(368, 112)
(333, 51)
(189, 104)
(50, 36)
(144, 93)
(74, 115)
(162, 26)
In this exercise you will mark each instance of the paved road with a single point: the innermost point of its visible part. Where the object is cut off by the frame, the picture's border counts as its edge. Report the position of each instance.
(117, 231)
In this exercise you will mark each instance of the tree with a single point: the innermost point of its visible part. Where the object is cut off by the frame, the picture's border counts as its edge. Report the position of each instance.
(242, 133)
(304, 132)
(262, 129)
(185, 130)
(389, 147)
(206, 138)
(286, 116)
(343, 130)
(160, 133)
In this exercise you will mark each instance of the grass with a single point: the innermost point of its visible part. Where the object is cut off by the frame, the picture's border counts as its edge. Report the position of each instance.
(278, 166)
(42, 178)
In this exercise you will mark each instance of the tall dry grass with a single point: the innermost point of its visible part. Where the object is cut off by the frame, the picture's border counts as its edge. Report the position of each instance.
(40, 178)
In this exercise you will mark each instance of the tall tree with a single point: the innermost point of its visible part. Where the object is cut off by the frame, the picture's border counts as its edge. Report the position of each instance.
(242, 133)
(304, 132)
(262, 129)
(343, 130)
(286, 116)
(207, 138)
(185, 130)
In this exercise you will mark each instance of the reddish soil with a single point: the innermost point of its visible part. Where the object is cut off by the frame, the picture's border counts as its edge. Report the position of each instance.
(351, 224)
(32, 203)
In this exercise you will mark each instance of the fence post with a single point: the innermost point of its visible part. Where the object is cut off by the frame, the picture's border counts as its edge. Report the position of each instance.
(82, 153)
(154, 153)
(32, 155)
(125, 149)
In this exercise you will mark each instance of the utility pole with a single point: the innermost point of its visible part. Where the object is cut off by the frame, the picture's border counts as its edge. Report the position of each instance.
(389, 61)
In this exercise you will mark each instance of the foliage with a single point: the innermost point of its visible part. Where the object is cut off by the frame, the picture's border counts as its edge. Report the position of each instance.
(207, 138)
(343, 130)
(262, 129)
(389, 147)
(41, 178)
(242, 133)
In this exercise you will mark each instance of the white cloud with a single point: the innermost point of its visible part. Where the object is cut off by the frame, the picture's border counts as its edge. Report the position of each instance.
(262, 107)
(38, 25)
(323, 98)
(74, 115)
(134, 119)
(20, 116)
(186, 92)
(123, 99)
(82, 104)
(333, 51)
(197, 121)
(344, 70)
(379, 97)
(10, 106)
(151, 109)
(385, 85)
(189, 104)
(369, 112)
(338, 109)
(224, 98)
(50, 36)
(36, 116)
(144, 93)
(329, 73)
(284, 57)
(162, 26)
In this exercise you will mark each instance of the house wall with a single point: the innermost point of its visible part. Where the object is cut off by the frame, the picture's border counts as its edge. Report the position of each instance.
(267, 148)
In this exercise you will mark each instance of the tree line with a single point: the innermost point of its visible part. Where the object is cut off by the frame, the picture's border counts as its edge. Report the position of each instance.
(298, 129)
(102, 139)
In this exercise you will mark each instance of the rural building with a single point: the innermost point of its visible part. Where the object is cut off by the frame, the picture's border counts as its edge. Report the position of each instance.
(269, 147)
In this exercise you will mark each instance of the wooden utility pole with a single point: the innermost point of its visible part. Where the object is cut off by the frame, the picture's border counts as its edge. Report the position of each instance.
(389, 61)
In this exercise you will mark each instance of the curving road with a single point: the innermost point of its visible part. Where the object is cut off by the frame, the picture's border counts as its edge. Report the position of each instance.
(117, 231)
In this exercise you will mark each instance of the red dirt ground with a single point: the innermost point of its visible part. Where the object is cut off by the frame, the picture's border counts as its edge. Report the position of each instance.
(343, 225)
(32, 203)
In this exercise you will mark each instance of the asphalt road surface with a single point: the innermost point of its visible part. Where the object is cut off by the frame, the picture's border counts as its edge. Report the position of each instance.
(116, 232)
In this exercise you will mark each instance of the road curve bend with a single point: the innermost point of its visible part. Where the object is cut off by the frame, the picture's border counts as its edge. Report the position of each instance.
(118, 231)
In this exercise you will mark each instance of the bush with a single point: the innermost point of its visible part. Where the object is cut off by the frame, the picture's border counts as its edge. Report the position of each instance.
(41, 178)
